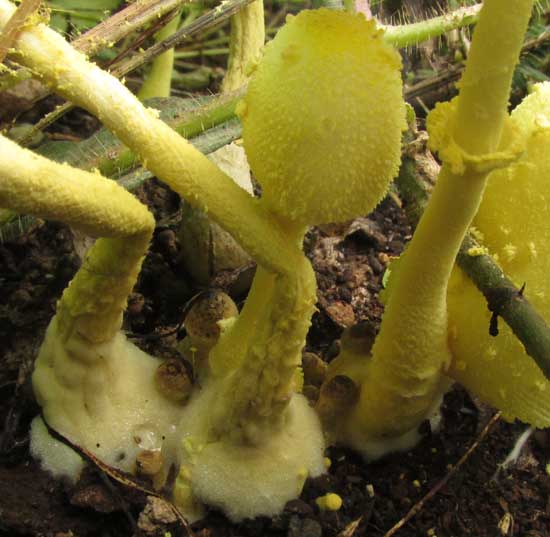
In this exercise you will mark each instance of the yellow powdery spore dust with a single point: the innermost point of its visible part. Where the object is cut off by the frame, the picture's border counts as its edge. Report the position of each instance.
(513, 218)
(323, 117)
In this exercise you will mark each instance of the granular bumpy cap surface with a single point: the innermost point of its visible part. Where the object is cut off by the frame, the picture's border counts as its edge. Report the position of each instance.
(323, 117)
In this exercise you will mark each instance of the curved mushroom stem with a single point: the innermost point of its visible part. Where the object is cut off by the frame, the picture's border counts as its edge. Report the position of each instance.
(262, 350)
(94, 386)
(93, 303)
(404, 379)
(169, 156)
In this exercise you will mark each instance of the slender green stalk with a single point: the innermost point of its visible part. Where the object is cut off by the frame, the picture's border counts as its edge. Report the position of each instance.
(185, 54)
(158, 81)
(406, 35)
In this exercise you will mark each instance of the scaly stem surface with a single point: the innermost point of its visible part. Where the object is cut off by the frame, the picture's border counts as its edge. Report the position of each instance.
(411, 351)
(261, 352)
(93, 303)
(164, 152)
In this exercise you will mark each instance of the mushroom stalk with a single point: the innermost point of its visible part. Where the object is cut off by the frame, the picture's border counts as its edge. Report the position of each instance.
(94, 386)
(403, 381)
(262, 350)
(169, 156)
(247, 39)
(93, 303)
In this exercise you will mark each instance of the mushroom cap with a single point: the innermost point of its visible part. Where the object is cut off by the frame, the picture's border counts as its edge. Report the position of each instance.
(323, 117)
(513, 219)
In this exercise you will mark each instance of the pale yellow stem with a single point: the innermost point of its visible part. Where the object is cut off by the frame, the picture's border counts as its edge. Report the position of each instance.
(404, 378)
(247, 40)
(163, 151)
(261, 352)
(93, 303)
(158, 81)
(485, 85)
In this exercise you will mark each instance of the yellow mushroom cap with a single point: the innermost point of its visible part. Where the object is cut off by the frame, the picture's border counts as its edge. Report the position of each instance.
(513, 219)
(323, 117)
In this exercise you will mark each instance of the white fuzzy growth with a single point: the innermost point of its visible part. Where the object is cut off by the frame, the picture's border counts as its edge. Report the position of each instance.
(250, 481)
(102, 397)
(55, 457)
(373, 449)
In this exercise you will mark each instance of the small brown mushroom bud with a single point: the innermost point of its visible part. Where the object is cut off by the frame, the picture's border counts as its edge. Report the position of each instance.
(172, 380)
(359, 338)
(149, 463)
(336, 398)
(314, 368)
(202, 320)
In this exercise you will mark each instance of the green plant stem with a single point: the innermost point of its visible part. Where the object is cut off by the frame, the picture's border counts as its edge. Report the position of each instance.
(159, 79)
(121, 24)
(406, 35)
(185, 54)
(111, 157)
(202, 23)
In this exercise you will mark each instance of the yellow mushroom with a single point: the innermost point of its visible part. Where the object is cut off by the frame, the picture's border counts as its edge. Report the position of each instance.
(403, 379)
(513, 218)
